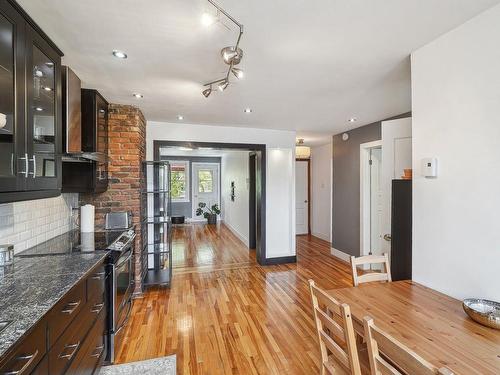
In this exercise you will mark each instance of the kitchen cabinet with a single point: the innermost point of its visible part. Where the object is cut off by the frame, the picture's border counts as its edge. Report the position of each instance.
(30, 108)
(90, 176)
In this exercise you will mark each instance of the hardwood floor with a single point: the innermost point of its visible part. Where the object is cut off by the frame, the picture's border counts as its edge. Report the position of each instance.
(233, 318)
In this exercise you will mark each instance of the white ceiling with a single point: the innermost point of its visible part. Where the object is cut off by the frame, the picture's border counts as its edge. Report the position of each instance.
(310, 65)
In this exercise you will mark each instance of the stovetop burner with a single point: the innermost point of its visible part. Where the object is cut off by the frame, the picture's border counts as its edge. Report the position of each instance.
(74, 242)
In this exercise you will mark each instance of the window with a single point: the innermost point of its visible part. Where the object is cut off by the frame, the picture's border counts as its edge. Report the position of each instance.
(205, 181)
(179, 181)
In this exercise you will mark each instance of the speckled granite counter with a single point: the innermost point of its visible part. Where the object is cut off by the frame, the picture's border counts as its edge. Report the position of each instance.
(32, 286)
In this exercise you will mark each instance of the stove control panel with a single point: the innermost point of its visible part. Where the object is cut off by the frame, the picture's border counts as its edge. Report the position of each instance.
(124, 240)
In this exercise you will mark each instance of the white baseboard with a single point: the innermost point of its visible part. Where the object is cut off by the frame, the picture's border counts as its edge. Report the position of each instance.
(341, 255)
(236, 233)
(323, 236)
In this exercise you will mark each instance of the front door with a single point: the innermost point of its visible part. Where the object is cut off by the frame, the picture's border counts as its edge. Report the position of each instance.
(206, 184)
(301, 197)
(396, 156)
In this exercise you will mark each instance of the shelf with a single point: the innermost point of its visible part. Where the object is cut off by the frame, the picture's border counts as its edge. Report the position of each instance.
(156, 220)
(157, 277)
(156, 248)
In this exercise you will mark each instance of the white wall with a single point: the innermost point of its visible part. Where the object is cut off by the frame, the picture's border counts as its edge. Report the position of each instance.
(456, 118)
(321, 191)
(234, 167)
(280, 171)
(29, 223)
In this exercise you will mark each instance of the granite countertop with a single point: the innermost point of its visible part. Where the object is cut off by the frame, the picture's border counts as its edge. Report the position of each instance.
(32, 286)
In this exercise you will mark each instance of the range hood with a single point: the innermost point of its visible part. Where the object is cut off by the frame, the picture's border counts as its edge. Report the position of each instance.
(72, 120)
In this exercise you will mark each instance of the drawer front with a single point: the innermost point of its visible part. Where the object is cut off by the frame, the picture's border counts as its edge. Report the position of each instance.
(42, 368)
(96, 282)
(65, 311)
(67, 348)
(93, 350)
(28, 354)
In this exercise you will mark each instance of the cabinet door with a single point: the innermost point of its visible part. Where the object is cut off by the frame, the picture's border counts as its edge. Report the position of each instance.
(101, 175)
(43, 132)
(13, 161)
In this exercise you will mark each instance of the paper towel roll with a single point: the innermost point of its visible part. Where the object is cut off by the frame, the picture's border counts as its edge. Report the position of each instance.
(87, 218)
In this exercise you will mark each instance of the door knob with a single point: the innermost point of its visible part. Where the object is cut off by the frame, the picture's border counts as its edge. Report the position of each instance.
(387, 237)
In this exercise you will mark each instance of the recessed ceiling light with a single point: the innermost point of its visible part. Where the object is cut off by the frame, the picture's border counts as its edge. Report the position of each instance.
(180, 117)
(39, 109)
(119, 54)
(353, 119)
(248, 110)
(138, 96)
(207, 19)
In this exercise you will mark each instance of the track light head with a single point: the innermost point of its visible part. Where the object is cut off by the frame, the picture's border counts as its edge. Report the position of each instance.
(206, 93)
(231, 55)
(223, 85)
(238, 73)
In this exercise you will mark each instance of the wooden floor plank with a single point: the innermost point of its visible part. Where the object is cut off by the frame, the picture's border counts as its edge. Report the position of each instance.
(225, 314)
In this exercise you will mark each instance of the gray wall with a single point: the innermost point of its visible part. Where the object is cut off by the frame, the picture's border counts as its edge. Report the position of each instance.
(185, 208)
(346, 181)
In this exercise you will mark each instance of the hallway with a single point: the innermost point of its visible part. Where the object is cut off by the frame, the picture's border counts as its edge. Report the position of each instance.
(236, 317)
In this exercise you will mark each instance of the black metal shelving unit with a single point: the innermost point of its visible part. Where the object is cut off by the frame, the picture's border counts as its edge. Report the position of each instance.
(156, 224)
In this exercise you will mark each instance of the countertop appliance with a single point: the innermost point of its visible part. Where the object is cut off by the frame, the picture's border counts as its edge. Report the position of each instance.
(119, 271)
(117, 220)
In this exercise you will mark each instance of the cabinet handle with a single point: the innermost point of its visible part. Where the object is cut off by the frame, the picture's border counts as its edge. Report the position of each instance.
(30, 358)
(97, 308)
(25, 172)
(34, 166)
(69, 355)
(71, 307)
(98, 351)
(97, 276)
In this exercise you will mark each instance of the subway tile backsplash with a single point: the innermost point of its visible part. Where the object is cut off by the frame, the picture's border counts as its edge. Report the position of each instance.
(26, 224)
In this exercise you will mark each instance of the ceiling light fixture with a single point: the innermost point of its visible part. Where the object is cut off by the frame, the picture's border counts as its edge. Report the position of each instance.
(39, 109)
(248, 110)
(119, 54)
(206, 93)
(301, 151)
(207, 19)
(138, 96)
(231, 55)
(353, 119)
(180, 117)
(47, 88)
(238, 73)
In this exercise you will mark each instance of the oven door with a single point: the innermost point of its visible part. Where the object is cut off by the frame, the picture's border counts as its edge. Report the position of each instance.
(123, 286)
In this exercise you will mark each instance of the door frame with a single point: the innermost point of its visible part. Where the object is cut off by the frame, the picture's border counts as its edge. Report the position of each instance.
(308, 195)
(364, 195)
(193, 208)
(260, 184)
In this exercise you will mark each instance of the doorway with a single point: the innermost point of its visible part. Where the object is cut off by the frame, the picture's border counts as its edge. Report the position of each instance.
(205, 186)
(302, 194)
(371, 198)
(252, 207)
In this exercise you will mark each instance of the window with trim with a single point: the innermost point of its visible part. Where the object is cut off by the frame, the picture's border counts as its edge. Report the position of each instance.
(179, 180)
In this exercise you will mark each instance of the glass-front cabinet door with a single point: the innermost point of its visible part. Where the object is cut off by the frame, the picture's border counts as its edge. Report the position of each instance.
(13, 161)
(43, 114)
(101, 143)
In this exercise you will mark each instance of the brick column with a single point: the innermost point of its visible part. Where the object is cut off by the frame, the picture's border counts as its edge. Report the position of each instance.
(127, 150)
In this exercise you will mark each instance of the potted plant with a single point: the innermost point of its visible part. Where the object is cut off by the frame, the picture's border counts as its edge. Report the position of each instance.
(209, 213)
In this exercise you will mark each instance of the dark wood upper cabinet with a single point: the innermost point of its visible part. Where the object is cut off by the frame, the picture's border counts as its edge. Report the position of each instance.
(30, 108)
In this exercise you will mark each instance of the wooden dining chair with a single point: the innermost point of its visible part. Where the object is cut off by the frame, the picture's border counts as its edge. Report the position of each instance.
(367, 277)
(396, 358)
(339, 353)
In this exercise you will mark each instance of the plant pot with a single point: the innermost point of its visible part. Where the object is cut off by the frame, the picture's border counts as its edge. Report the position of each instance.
(212, 219)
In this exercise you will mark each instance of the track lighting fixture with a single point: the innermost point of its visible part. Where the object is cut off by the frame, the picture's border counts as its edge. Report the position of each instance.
(206, 93)
(231, 55)
(238, 73)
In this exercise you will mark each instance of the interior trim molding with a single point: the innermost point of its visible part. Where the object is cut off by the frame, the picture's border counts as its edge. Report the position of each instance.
(341, 255)
(233, 230)
(280, 260)
(323, 236)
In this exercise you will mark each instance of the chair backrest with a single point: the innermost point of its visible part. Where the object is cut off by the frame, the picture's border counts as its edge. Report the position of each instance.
(397, 358)
(335, 333)
(370, 276)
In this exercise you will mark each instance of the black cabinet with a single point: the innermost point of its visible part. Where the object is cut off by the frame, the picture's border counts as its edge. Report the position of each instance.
(401, 230)
(81, 176)
(30, 108)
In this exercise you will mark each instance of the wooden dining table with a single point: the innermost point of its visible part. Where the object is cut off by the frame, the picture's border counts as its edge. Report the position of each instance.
(430, 323)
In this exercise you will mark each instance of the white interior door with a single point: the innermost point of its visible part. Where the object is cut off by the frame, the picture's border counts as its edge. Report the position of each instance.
(375, 200)
(301, 197)
(396, 156)
(206, 183)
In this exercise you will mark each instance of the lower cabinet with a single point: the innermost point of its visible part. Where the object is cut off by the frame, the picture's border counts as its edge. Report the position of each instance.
(70, 339)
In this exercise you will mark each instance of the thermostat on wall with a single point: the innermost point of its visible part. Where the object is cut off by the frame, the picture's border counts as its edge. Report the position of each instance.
(429, 167)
